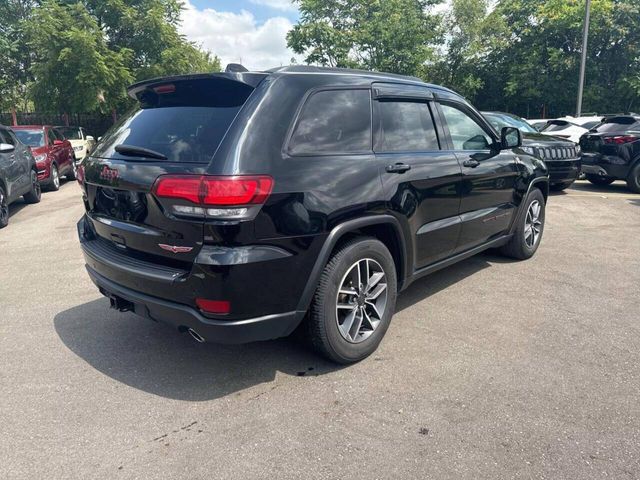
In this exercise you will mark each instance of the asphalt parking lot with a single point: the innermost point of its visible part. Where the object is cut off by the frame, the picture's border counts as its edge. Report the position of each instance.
(490, 369)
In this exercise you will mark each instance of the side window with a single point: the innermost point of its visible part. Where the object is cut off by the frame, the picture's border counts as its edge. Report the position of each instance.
(405, 127)
(466, 133)
(333, 121)
(51, 136)
(4, 137)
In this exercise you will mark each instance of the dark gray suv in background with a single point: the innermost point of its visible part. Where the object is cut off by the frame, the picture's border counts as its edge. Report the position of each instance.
(18, 174)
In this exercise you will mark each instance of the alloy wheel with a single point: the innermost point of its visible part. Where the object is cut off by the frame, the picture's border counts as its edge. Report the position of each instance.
(55, 178)
(533, 224)
(361, 300)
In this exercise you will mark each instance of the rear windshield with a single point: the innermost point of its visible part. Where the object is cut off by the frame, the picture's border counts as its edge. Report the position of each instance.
(31, 138)
(555, 125)
(184, 121)
(70, 133)
(618, 125)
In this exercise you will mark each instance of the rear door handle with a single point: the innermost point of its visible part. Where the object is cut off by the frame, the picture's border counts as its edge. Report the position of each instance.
(398, 168)
(471, 163)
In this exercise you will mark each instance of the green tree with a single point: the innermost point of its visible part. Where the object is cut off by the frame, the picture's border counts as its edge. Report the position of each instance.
(73, 69)
(388, 35)
(79, 55)
(533, 65)
(15, 55)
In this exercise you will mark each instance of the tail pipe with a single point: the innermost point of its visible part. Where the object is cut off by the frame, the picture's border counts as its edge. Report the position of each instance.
(196, 336)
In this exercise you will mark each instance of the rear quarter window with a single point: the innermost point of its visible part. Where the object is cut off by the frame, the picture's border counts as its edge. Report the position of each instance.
(333, 122)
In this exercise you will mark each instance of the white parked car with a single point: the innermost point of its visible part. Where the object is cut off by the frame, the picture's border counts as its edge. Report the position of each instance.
(80, 141)
(564, 127)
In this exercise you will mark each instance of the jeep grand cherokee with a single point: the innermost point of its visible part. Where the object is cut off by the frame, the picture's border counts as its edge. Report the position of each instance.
(236, 206)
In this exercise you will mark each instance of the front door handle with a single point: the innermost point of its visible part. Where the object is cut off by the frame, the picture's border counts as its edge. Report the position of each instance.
(398, 168)
(471, 163)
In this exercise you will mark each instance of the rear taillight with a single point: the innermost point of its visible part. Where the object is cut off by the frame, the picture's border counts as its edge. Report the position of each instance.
(620, 139)
(236, 197)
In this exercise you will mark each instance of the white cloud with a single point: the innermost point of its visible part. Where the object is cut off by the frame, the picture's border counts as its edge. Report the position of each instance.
(238, 37)
(277, 4)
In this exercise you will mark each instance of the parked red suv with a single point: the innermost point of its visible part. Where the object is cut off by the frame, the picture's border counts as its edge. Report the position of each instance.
(53, 153)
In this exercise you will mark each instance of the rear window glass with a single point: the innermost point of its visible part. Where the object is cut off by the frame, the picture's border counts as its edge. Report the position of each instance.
(185, 121)
(70, 133)
(405, 126)
(31, 138)
(556, 125)
(619, 124)
(334, 121)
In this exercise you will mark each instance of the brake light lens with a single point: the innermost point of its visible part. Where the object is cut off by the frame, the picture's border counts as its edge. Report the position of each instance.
(220, 307)
(620, 139)
(223, 197)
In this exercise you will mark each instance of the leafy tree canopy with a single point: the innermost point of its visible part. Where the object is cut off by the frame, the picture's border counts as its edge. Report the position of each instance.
(78, 56)
(396, 36)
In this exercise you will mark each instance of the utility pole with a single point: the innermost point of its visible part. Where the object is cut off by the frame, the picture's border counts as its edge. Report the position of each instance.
(585, 36)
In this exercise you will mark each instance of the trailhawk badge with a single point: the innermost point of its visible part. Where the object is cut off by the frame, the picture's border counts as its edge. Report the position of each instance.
(175, 248)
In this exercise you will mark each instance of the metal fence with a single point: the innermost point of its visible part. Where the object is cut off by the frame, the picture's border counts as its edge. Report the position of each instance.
(94, 123)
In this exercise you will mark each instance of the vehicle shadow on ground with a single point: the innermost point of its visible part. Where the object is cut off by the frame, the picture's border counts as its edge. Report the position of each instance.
(16, 206)
(157, 359)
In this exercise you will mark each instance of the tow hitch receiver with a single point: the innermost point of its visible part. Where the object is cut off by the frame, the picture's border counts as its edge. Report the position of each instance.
(120, 304)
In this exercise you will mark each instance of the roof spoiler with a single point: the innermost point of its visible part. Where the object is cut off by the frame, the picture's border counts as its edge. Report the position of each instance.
(251, 79)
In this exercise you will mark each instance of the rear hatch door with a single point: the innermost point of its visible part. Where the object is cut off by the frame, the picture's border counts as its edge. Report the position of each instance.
(175, 129)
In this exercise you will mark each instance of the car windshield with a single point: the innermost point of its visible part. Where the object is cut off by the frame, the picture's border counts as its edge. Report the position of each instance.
(31, 138)
(70, 133)
(498, 121)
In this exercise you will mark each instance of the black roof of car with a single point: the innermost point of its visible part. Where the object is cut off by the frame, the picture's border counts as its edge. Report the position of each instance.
(254, 78)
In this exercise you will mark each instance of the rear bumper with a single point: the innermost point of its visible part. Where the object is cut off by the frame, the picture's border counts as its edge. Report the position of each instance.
(605, 166)
(263, 308)
(184, 317)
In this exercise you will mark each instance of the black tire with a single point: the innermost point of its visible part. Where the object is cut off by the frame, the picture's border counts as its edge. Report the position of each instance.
(558, 187)
(71, 174)
(35, 194)
(633, 180)
(54, 185)
(4, 208)
(323, 330)
(519, 246)
(600, 180)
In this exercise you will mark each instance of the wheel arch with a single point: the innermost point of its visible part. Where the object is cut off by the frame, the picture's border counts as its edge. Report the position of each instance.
(539, 183)
(385, 228)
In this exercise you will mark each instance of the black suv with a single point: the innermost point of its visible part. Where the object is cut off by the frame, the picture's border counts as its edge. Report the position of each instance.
(18, 174)
(611, 151)
(236, 205)
(561, 156)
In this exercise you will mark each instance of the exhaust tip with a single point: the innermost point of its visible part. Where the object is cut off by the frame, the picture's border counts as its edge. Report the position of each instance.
(196, 336)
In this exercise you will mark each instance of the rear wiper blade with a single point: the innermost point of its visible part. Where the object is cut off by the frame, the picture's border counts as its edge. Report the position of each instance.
(133, 151)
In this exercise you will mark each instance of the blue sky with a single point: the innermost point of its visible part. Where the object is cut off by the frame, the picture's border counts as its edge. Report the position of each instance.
(261, 10)
(251, 32)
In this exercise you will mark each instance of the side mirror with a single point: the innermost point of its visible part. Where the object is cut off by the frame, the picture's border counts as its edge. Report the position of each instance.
(58, 142)
(510, 137)
(89, 138)
(6, 148)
